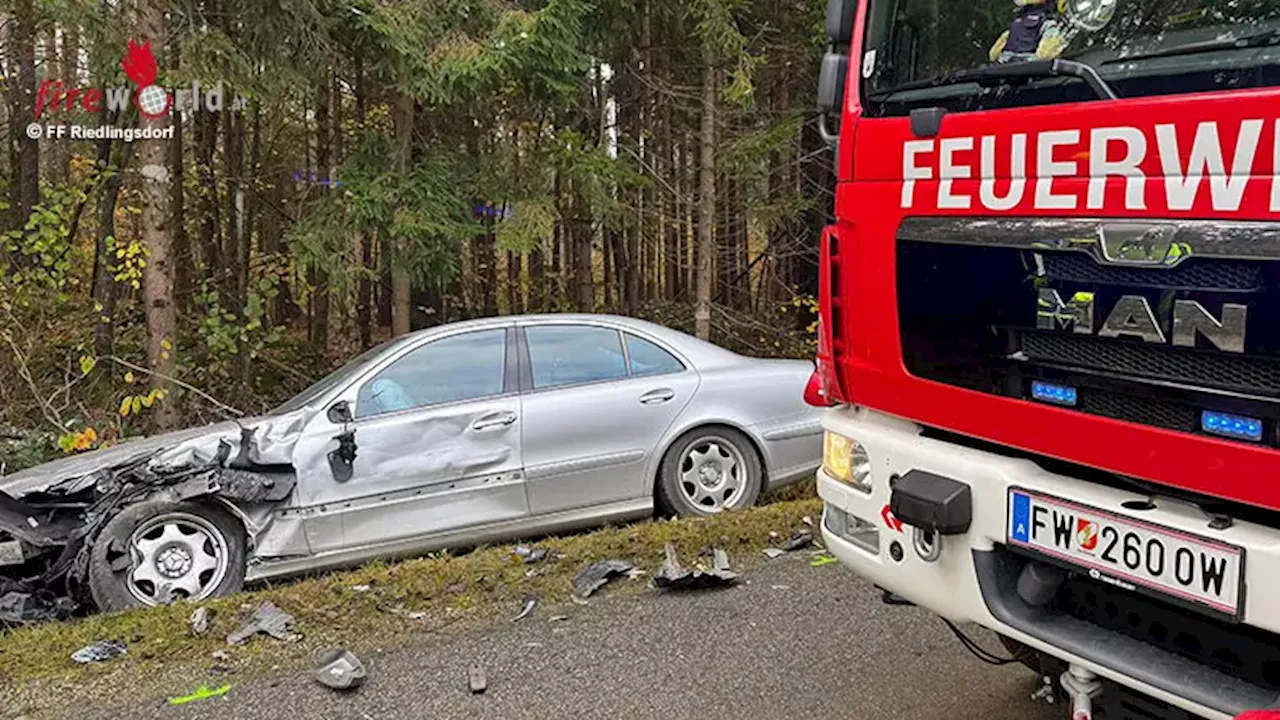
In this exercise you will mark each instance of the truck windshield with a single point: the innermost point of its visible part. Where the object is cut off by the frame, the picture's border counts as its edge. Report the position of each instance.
(917, 51)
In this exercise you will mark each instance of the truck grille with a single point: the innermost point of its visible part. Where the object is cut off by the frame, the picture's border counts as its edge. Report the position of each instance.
(1179, 365)
(1159, 413)
(1195, 274)
(968, 317)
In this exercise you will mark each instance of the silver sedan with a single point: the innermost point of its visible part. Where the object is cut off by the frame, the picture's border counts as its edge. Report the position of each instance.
(448, 437)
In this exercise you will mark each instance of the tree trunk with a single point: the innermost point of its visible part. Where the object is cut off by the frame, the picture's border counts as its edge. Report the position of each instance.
(780, 186)
(586, 281)
(706, 199)
(514, 304)
(537, 277)
(400, 282)
(319, 277)
(692, 232)
(25, 152)
(49, 151)
(182, 256)
(157, 276)
(364, 306)
(670, 208)
(210, 223)
(104, 285)
(487, 259)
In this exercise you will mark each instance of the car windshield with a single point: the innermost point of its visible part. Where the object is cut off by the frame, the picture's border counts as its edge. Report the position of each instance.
(917, 51)
(337, 378)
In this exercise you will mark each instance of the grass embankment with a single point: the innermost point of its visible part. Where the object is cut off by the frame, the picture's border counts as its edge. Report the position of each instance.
(437, 590)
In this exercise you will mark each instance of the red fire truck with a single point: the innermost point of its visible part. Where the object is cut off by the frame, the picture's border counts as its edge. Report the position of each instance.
(1050, 336)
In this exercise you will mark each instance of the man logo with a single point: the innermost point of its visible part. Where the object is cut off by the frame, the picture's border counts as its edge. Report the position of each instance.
(1086, 535)
(1132, 316)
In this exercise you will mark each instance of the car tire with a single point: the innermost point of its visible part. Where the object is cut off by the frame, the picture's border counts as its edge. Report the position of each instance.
(157, 551)
(707, 470)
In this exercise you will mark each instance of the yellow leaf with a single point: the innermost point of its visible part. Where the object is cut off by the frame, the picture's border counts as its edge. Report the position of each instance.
(164, 356)
(91, 435)
(125, 405)
(148, 401)
(137, 405)
(166, 344)
(128, 377)
(87, 364)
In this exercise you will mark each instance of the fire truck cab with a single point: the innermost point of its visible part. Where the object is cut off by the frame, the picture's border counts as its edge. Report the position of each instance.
(1050, 335)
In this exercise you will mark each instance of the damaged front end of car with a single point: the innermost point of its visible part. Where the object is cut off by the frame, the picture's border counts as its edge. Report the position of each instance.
(52, 523)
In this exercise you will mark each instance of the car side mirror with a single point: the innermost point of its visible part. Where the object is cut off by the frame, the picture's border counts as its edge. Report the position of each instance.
(339, 413)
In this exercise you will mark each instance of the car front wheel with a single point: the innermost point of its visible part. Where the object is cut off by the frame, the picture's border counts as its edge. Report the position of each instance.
(708, 470)
(157, 551)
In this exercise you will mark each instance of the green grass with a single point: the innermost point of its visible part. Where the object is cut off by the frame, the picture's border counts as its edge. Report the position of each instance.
(36, 671)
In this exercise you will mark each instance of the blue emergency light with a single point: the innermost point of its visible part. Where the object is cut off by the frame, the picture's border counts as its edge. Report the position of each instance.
(1051, 393)
(1232, 426)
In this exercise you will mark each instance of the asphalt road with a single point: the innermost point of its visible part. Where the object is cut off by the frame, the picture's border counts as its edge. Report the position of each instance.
(794, 642)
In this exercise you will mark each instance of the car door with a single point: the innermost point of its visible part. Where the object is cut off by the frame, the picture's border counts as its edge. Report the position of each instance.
(437, 432)
(596, 401)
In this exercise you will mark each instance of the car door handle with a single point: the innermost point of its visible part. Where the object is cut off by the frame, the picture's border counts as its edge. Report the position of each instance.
(657, 397)
(494, 420)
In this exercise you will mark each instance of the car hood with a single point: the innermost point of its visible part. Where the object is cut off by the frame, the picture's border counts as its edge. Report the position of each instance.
(272, 438)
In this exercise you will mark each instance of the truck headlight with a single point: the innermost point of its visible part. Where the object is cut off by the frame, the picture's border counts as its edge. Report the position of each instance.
(846, 461)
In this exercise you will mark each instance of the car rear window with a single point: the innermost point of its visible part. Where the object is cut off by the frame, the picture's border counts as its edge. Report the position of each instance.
(649, 359)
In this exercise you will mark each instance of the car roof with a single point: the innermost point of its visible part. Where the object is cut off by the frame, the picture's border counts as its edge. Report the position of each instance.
(698, 351)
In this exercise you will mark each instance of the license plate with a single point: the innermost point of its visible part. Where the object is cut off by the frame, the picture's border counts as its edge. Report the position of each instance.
(1128, 553)
(11, 553)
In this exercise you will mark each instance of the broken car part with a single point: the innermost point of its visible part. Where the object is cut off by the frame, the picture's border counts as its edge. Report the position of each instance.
(595, 575)
(530, 602)
(530, 555)
(268, 620)
(199, 621)
(673, 575)
(799, 541)
(99, 652)
(340, 669)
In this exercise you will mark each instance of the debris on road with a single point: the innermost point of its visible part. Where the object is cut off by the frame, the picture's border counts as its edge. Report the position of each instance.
(558, 618)
(340, 670)
(220, 656)
(779, 587)
(267, 619)
(200, 621)
(799, 541)
(594, 576)
(673, 575)
(361, 588)
(203, 692)
(27, 608)
(100, 651)
(530, 602)
(822, 559)
(807, 520)
(477, 681)
(530, 555)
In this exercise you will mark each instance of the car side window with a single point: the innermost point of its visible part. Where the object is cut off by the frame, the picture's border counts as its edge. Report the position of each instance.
(571, 354)
(462, 367)
(649, 359)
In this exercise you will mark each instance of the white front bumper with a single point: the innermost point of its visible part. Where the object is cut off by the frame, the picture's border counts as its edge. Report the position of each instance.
(950, 585)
